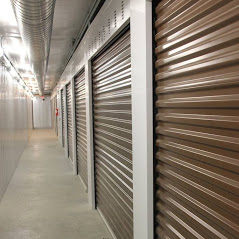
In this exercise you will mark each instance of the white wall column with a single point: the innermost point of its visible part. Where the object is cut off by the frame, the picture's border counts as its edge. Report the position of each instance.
(89, 128)
(142, 117)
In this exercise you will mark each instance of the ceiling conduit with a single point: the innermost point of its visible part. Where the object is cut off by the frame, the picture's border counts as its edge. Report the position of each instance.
(35, 20)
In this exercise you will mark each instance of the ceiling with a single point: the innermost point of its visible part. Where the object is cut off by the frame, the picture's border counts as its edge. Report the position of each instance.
(12, 44)
(69, 17)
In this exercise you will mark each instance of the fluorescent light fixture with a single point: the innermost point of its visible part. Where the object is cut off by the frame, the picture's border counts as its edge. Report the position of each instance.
(23, 66)
(28, 75)
(1, 52)
(7, 62)
(13, 73)
(6, 13)
(21, 82)
(15, 46)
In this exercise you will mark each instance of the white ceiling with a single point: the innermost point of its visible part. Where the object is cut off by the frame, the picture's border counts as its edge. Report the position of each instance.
(69, 17)
(12, 44)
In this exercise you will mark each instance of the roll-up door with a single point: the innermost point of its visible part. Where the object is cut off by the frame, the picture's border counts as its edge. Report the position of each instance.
(63, 118)
(69, 120)
(112, 136)
(52, 113)
(56, 117)
(81, 139)
(197, 132)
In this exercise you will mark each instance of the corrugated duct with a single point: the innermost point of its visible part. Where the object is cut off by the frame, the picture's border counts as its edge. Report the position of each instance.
(35, 20)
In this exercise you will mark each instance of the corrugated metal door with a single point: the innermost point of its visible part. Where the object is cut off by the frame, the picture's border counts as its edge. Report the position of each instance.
(56, 117)
(112, 136)
(63, 118)
(69, 120)
(197, 73)
(52, 114)
(81, 139)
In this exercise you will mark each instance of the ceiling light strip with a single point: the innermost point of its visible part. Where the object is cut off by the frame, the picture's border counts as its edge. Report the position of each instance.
(13, 72)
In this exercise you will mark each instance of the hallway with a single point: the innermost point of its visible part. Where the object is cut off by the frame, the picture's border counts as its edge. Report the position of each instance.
(44, 200)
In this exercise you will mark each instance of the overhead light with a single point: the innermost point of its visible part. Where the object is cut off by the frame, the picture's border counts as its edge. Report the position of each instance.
(21, 82)
(7, 62)
(15, 75)
(1, 52)
(24, 66)
(7, 14)
(28, 75)
(15, 46)
(13, 72)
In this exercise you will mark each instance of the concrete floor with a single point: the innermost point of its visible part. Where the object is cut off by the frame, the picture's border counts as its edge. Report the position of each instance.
(44, 200)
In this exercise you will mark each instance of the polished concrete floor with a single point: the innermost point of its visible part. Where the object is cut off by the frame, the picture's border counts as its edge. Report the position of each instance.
(44, 200)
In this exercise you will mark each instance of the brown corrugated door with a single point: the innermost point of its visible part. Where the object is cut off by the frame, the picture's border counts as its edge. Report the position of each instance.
(197, 132)
(69, 120)
(52, 114)
(63, 118)
(56, 117)
(81, 139)
(112, 136)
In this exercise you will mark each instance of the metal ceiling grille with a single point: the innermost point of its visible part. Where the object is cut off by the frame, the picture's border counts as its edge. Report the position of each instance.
(81, 138)
(63, 118)
(197, 69)
(112, 136)
(69, 120)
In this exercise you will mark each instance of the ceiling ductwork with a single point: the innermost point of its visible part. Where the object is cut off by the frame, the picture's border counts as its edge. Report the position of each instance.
(35, 20)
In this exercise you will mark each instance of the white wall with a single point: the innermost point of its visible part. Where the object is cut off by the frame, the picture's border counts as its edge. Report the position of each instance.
(15, 125)
(42, 113)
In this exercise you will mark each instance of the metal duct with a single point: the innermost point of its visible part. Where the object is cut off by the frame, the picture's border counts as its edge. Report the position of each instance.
(35, 20)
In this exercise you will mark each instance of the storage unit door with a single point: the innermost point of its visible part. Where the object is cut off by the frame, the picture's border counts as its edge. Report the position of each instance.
(69, 120)
(52, 116)
(63, 118)
(52, 113)
(112, 136)
(53, 108)
(81, 139)
(197, 132)
(56, 117)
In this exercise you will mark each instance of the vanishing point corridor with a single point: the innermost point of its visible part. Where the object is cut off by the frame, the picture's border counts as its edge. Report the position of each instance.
(119, 119)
